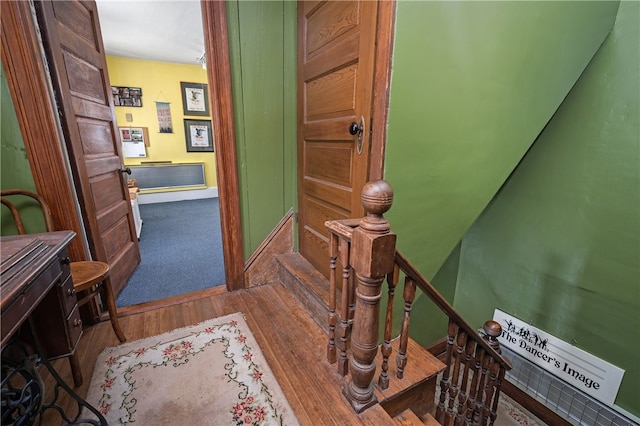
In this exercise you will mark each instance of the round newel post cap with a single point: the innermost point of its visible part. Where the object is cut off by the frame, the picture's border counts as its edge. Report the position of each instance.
(493, 330)
(377, 197)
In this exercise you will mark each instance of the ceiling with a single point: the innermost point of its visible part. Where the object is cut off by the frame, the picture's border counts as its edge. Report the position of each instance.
(157, 30)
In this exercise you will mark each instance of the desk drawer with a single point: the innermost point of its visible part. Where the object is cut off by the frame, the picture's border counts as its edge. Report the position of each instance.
(74, 328)
(29, 298)
(67, 294)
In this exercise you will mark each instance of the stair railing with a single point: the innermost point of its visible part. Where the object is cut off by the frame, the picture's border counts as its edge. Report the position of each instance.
(471, 381)
(475, 368)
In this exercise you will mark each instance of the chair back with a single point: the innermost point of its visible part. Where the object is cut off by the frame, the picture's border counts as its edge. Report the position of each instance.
(15, 212)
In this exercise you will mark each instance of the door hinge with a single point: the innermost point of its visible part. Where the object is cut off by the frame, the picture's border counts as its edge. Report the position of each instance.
(295, 217)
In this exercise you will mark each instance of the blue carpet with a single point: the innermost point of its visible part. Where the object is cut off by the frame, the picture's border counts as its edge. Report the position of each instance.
(181, 251)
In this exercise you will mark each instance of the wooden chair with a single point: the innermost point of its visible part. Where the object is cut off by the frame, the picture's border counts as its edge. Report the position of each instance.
(90, 278)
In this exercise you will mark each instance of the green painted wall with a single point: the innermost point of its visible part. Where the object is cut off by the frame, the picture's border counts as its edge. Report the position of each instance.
(14, 165)
(473, 84)
(262, 40)
(559, 247)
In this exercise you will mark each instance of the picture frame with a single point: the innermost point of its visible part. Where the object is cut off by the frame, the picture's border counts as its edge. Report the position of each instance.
(195, 98)
(198, 135)
(126, 96)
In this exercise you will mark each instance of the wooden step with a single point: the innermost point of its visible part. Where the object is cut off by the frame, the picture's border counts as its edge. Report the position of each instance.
(307, 285)
(407, 418)
(416, 391)
(429, 420)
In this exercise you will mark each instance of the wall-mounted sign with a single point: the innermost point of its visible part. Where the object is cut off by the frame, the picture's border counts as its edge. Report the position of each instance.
(134, 140)
(570, 364)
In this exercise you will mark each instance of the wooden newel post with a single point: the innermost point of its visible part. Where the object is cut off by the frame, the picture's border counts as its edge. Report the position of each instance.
(373, 247)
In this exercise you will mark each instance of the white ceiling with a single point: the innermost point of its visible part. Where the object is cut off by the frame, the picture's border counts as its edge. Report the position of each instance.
(157, 30)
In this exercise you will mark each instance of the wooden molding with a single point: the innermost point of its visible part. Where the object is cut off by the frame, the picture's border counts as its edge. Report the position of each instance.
(262, 267)
(219, 73)
(381, 85)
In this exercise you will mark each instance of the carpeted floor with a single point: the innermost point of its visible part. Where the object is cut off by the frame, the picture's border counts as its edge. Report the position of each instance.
(181, 251)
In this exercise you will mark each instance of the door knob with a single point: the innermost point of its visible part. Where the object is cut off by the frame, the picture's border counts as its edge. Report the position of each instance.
(354, 129)
(357, 129)
(126, 170)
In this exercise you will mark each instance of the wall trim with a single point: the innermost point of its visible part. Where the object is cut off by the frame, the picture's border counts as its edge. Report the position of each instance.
(170, 196)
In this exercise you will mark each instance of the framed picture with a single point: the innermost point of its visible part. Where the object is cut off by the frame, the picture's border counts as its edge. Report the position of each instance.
(199, 135)
(126, 96)
(195, 98)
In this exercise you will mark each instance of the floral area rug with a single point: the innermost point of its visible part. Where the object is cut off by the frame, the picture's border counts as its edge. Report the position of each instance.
(212, 373)
(510, 413)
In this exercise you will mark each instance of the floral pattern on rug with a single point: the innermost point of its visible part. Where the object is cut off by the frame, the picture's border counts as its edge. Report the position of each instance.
(253, 405)
(516, 413)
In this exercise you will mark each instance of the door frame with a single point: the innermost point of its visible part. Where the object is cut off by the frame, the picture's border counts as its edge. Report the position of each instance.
(28, 82)
(216, 43)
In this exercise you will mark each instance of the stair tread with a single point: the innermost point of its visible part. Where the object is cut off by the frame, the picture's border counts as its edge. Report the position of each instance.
(407, 418)
(306, 274)
(421, 366)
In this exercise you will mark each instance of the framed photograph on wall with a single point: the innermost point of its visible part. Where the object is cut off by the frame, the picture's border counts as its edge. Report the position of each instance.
(126, 96)
(199, 135)
(195, 98)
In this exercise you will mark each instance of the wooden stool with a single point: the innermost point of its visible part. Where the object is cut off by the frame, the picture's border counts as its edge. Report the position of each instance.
(92, 277)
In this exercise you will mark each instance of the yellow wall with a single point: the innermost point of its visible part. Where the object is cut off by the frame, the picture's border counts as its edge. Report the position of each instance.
(160, 81)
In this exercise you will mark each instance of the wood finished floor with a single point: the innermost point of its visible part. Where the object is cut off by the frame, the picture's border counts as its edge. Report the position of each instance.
(292, 343)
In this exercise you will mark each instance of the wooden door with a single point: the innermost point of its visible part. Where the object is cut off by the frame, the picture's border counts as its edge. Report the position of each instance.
(336, 52)
(75, 54)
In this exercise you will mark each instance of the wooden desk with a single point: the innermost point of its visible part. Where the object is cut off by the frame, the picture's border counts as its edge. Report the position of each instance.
(36, 287)
(35, 280)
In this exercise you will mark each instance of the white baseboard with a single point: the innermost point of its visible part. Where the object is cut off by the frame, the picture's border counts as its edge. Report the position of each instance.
(167, 197)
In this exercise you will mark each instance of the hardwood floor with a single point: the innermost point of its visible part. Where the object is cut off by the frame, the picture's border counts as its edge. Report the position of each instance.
(292, 343)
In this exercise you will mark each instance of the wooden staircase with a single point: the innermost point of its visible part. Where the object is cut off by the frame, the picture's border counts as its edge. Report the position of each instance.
(398, 375)
(407, 401)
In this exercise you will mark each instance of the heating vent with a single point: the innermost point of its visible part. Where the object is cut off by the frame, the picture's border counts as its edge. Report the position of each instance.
(168, 175)
(568, 402)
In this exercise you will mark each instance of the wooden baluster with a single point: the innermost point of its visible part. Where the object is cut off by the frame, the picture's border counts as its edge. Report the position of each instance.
(385, 349)
(352, 298)
(463, 396)
(344, 330)
(374, 247)
(452, 330)
(409, 295)
(473, 389)
(485, 359)
(333, 256)
(493, 330)
(496, 398)
(488, 415)
(454, 387)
